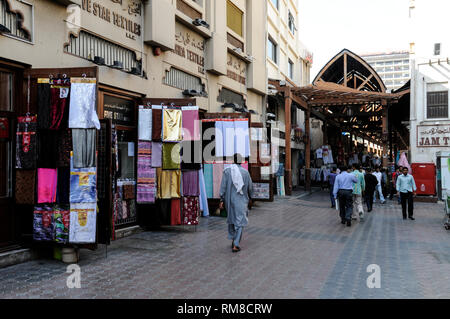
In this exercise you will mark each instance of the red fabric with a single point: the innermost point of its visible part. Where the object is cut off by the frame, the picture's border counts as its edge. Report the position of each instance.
(175, 214)
(57, 108)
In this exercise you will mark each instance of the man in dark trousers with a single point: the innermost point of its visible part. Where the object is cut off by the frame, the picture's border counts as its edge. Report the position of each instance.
(406, 186)
(343, 191)
(331, 180)
(371, 185)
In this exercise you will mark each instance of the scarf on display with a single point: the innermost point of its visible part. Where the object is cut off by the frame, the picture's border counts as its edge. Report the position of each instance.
(169, 184)
(82, 111)
(62, 222)
(191, 210)
(83, 184)
(83, 223)
(145, 124)
(191, 126)
(26, 142)
(237, 179)
(59, 94)
(171, 156)
(47, 183)
(43, 224)
(172, 125)
(156, 154)
(146, 182)
(191, 183)
(175, 212)
(156, 123)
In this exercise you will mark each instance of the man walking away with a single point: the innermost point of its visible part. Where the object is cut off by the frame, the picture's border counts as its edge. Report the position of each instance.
(371, 184)
(395, 175)
(331, 180)
(379, 189)
(235, 192)
(358, 190)
(406, 186)
(343, 191)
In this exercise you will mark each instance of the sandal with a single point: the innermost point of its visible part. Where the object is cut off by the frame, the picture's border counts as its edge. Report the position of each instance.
(236, 249)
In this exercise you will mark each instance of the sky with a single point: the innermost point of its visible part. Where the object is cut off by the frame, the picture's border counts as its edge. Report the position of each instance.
(326, 27)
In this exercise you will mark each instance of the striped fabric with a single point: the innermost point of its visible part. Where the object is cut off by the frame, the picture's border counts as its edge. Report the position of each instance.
(146, 183)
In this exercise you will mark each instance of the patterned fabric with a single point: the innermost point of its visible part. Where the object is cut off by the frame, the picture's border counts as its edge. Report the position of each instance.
(59, 96)
(25, 187)
(64, 147)
(83, 185)
(146, 183)
(82, 112)
(47, 181)
(191, 183)
(128, 192)
(156, 124)
(172, 125)
(43, 224)
(171, 156)
(83, 223)
(62, 222)
(191, 210)
(175, 212)
(26, 142)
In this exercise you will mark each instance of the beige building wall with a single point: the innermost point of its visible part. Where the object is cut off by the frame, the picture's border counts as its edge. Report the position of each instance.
(162, 36)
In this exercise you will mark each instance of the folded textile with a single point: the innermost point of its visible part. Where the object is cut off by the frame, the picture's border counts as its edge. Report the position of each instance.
(83, 184)
(83, 223)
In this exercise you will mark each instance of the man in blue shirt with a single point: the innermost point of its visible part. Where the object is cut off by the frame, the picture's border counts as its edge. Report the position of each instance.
(406, 186)
(331, 180)
(343, 191)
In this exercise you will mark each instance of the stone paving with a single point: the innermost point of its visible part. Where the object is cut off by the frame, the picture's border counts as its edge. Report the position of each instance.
(293, 248)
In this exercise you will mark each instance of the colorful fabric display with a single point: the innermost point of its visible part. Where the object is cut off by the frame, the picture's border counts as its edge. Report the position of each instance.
(47, 182)
(145, 124)
(43, 224)
(83, 106)
(203, 196)
(62, 222)
(169, 184)
(219, 139)
(228, 138)
(191, 157)
(83, 223)
(175, 212)
(26, 142)
(191, 210)
(241, 137)
(156, 123)
(84, 149)
(156, 154)
(83, 184)
(171, 156)
(191, 183)
(217, 178)
(25, 187)
(59, 95)
(191, 123)
(209, 181)
(146, 182)
(128, 192)
(172, 125)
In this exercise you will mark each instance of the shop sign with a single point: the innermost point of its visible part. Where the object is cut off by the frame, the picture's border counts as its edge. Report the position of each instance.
(236, 69)
(433, 135)
(119, 111)
(261, 191)
(4, 127)
(190, 46)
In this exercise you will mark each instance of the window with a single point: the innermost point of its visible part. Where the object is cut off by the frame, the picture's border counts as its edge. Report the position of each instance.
(276, 4)
(228, 96)
(291, 22)
(437, 49)
(389, 76)
(272, 50)
(6, 91)
(437, 104)
(235, 18)
(291, 69)
(183, 80)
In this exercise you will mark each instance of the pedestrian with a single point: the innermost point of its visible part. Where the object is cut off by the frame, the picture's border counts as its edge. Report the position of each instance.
(236, 190)
(331, 180)
(406, 186)
(395, 175)
(358, 190)
(343, 191)
(371, 184)
(379, 188)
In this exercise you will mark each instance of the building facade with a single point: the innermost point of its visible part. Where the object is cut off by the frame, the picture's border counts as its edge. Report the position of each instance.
(393, 67)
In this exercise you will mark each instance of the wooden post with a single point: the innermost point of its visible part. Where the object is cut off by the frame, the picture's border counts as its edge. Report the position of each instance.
(308, 150)
(385, 133)
(345, 69)
(287, 117)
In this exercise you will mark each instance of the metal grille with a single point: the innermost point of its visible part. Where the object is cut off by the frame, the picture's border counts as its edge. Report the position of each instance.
(183, 80)
(12, 22)
(88, 46)
(228, 96)
(437, 104)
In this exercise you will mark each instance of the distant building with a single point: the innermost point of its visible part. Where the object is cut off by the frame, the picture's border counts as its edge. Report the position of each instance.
(393, 67)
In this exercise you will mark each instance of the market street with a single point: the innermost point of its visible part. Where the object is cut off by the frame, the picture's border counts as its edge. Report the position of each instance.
(294, 248)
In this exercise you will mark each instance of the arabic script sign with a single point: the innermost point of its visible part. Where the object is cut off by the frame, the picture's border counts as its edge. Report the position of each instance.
(433, 135)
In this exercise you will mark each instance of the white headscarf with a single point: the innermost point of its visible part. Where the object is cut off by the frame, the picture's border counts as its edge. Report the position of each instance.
(236, 176)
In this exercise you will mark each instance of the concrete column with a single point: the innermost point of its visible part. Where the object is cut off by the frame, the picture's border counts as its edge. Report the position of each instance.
(308, 150)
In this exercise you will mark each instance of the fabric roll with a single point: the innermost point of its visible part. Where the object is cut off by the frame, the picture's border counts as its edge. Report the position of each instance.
(47, 182)
(172, 128)
(191, 123)
(171, 156)
(83, 223)
(83, 141)
(83, 184)
(228, 138)
(83, 106)
(191, 211)
(175, 213)
(43, 105)
(203, 196)
(156, 124)
(219, 139)
(217, 178)
(25, 187)
(59, 96)
(209, 181)
(145, 124)
(156, 154)
(63, 188)
(26, 142)
(242, 138)
(64, 147)
(190, 183)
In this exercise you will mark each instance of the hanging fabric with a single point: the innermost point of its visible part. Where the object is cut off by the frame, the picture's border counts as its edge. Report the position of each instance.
(191, 183)
(83, 223)
(47, 182)
(25, 187)
(209, 180)
(146, 181)
(145, 124)
(191, 126)
(242, 138)
(209, 139)
(63, 188)
(191, 155)
(47, 149)
(228, 138)
(203, 195)
(64, 147)
(191, 210)
(156, 122)
(172, 125)
(217, 178)
(169, 184)
(43, 224)
(83, 184)
(83, 104)
(43, 103)
(171, 156)
(59, 96)
(26, 142)
(175, 212)
(84, 148)
(156, 154)
(219, 140)
(62, 225)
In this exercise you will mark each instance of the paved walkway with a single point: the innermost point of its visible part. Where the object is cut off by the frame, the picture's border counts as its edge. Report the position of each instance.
(294, 248)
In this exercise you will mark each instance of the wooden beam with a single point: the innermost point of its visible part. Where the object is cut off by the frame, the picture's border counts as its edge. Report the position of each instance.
(365, 82)
(345, 69)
